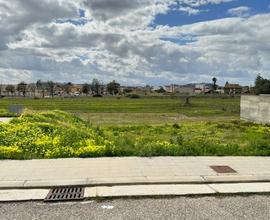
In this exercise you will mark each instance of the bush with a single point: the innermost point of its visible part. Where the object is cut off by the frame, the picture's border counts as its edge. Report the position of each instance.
(49, 135)
(97, 96)
(133, 96)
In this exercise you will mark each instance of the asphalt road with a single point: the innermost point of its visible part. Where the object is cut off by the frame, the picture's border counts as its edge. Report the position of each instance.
(229, 207)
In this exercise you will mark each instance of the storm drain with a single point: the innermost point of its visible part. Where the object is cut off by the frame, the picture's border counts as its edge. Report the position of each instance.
(65, 194)
(223, 169)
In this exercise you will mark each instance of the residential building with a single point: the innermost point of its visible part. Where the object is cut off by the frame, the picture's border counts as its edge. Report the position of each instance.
(186, 89)
(232, 88)
(203, 88)
(171, 88)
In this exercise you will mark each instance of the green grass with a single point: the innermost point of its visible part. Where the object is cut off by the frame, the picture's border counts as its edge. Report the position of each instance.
(57, 134)
(200, 106)
(6, 113)
(147, 118)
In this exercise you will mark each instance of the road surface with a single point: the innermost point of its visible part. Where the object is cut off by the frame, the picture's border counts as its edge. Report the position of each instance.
(223, 207)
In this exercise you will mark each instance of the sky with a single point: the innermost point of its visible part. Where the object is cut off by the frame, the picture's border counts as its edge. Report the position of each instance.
(135, 42)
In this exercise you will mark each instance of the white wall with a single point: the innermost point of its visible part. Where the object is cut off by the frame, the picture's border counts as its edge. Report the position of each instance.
(256, 108)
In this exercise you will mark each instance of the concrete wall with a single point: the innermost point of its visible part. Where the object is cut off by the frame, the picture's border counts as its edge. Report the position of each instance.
(256, 108)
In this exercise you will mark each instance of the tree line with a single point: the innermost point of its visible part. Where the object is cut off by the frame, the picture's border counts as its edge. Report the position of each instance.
(95, 88)
(262, 85)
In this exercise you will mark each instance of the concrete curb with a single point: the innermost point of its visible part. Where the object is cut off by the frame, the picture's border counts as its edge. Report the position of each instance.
(35, 184)
(20, 195)
(23, 195)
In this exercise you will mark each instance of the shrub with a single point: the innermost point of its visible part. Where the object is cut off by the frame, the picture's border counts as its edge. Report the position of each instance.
(97, 95)
(48, 135)
(133, 96)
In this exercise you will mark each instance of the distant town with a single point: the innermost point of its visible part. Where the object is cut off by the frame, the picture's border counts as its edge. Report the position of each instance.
(48, 89)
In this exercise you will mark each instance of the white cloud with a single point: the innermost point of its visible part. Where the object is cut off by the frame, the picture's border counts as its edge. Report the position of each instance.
(13, 76)
(118, 43)
(197, 3)
(189, 10)
(242, 11)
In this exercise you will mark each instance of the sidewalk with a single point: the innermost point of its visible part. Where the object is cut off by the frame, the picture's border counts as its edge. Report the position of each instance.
(130, 171)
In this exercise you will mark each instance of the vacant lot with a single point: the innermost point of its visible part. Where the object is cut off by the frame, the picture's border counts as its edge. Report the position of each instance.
(146, 110)
(130, 127)
(57, 134)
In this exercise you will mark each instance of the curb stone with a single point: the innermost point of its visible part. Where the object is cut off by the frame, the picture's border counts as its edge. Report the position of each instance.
(19, 195)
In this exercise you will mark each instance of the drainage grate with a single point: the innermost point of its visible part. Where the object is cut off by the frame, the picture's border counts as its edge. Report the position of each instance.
(223, 169)
(65, 194)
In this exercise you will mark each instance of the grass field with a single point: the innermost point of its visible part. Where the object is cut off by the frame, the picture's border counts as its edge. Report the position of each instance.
(89, 127)
(6, 113)
(154, 110)
(57, 134)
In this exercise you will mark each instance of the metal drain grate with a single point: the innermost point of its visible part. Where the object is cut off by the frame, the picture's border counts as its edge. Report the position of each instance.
(223, 169)
(65, 194)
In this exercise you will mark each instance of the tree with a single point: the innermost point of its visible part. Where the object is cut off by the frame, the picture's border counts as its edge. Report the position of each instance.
(31, 88)
(262, 85)
(41, 86)
(113, 87)
(68, 87)
(160, 90)
(127, 90)
(96, 87)
(10, 89)
(214, 83)
(51, 87)
(86, 88)
(22, 88)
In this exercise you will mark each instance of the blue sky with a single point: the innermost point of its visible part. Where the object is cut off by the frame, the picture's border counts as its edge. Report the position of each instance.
(211, 12)
(135, 42)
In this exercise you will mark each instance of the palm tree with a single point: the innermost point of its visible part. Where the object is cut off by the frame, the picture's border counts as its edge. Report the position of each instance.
(214, 83)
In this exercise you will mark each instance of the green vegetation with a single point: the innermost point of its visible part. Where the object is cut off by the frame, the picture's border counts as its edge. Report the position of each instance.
(6, 113)
(200, 106)
(262, 85)
(57, 134)
(147, 118)
(49, 135)
(133, 96)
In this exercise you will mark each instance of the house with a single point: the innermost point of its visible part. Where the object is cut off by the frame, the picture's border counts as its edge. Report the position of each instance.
(246, 90)
(126, 89)
(203, 88)
(136, 89)
(186, 89)
(75, 89)
(220, 90)
(171, 88)
(232, 89)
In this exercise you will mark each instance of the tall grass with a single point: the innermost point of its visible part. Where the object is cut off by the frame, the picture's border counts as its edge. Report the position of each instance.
(57, 134)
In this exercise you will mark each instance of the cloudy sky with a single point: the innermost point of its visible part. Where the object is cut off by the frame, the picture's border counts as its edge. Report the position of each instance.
(134, 41)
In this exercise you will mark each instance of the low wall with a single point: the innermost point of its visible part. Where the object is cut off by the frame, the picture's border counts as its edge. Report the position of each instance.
(256, 108)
